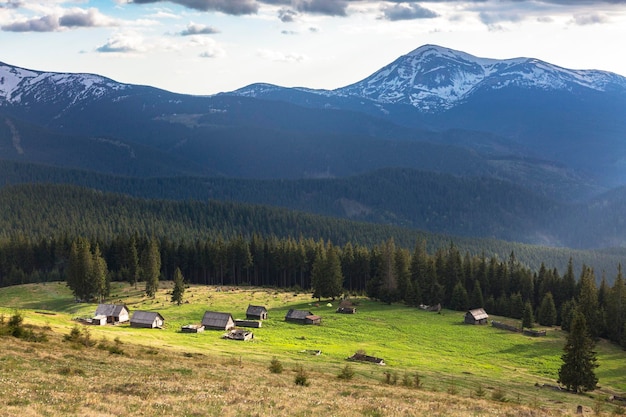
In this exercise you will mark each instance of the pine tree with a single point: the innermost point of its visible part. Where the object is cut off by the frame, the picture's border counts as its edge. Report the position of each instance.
(547, 311)
(151, 267)
(179, 287)
(459, 300)
(476, 299)
(579, 360)
(99, 274)
(527, 316)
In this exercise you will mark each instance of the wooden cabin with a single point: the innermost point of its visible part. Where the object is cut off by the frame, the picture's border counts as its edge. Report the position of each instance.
(476, 316)
(114, 313)
(302, 317)
(256, 313)
(147, 319)
(213, 320)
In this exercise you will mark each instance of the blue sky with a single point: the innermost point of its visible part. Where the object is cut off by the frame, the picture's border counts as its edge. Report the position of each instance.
(209, 46)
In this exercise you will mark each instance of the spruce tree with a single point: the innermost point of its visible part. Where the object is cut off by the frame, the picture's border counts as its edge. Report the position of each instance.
(579, 360)
(179, 287)
(547, 311)
(151, 267)
(527, 316)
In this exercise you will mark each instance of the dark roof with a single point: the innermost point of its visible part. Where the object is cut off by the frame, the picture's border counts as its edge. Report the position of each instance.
(215, 319)
(298, 314)
(145, 317)
(256, 310)
(110, 310)
(478, 314)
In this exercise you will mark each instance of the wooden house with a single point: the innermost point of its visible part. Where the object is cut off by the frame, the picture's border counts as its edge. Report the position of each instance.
(302, 317)
(217, 321)
(114, 313)
(147, 319)
(476, 316)
(256, 313)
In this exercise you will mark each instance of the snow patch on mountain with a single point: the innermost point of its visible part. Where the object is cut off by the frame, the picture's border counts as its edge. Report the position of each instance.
(434, 79)
(22, 86)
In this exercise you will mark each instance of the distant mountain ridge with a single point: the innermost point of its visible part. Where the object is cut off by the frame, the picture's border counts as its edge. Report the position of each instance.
(519, 124)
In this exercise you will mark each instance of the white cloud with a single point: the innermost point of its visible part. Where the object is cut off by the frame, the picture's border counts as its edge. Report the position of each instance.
(278, 56)
(124, 42)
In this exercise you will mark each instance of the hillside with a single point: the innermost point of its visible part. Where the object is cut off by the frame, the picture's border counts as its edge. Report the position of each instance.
(35, 211)
(129, 363)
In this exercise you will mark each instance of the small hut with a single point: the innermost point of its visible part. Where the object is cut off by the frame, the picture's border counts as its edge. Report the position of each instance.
(192, 328)
(114, 313)
(476, 316)
(302, 317)
(256, 313)
(217, 321)
(362, 357)
(346, 310)
(147, 319)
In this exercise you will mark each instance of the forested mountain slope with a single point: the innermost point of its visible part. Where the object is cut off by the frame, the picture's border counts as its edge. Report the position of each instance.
(40, 211)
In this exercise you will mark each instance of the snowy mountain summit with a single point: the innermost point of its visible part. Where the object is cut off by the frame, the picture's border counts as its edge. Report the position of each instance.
(432, 78)
(27, 87)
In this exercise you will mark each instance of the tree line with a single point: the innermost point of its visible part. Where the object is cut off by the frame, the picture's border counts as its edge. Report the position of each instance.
(385, 271)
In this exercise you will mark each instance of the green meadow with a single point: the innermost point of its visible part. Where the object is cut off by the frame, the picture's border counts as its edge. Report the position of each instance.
(449, 356)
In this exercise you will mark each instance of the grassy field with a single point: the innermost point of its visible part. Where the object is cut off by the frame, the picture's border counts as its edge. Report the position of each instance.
(464, 370)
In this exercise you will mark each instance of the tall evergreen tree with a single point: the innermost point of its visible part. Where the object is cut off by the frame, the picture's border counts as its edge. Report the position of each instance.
(179, 287)
(99, 275)
(577, 372)
(476, 299)
(546, 315)
(151, 267)
(527, 315)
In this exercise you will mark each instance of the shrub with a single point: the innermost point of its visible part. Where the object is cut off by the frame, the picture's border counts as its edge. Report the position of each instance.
(80, 336)
(276, 367)
(301, 376)
(480, 391)
(498, 395)
(407, 381)
(417, 381)
(347, 373)
(391, 378)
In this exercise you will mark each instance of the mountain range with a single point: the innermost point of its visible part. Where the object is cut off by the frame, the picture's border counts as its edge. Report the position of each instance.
(522, 149)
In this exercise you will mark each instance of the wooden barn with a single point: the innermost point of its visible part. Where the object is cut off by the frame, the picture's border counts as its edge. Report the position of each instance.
(114, 313)
(217, 321)
(147, 319)
(476, 316)
(256, 313)
(302, 317)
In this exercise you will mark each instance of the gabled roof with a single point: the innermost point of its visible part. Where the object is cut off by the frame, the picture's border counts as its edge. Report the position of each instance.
(256, 310)
(298, 314)
(110, 310)
(145, 317)
(215, 319)
(478, 314)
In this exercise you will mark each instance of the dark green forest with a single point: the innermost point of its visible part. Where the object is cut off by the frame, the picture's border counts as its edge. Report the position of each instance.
(423, 201)
(90, 238)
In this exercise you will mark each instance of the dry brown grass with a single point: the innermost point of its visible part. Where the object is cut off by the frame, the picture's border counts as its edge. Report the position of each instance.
(56, 378)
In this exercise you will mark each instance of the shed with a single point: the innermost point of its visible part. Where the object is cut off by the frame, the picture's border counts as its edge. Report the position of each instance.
(248, 323)
(99, 320)
(302, 317)
(476, 316)
(192, 328)
(218, 321)
(346, 310)
(239, 334)
(361, 357)
(147, 319)
(256, 313)
(114, 313)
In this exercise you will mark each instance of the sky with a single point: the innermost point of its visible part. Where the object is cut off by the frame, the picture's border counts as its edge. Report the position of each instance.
(209, 46)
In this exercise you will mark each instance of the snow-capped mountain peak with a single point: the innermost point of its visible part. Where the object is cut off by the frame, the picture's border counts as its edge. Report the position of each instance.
(433, 78)
(22, 86)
